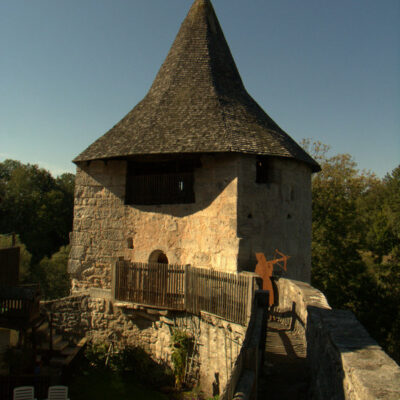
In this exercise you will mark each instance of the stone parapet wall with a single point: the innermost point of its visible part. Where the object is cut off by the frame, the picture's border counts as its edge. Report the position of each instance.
(345, 362)
(292, 301)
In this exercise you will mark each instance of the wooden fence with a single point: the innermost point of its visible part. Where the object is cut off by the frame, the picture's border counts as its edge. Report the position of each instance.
(154, 284)
(19, 303)
(228, 295)
(221, 293)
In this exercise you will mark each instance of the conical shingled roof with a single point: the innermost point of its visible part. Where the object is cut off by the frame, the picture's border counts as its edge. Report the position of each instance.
(197, 104)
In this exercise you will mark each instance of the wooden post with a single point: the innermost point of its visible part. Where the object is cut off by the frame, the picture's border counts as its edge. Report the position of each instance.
(186, 287)
(114, 280)
(51, 333)
(249, 298)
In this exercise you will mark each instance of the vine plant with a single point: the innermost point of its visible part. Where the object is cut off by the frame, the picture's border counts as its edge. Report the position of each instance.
(182, 345)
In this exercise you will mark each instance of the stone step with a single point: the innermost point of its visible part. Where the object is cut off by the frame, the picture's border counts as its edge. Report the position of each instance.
(67, 354)
(44, 327)
(58, 362)
(68, 351)
(60, 345)
(57, 339)
(72, 351)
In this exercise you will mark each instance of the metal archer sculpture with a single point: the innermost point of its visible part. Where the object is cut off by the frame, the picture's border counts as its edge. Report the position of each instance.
(265, 269)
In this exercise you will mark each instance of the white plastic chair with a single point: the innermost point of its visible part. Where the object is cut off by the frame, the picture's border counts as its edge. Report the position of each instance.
(57, 393)
(24, 393)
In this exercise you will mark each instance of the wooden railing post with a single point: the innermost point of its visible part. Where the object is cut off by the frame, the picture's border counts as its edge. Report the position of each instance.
(186, 287)
(114, 290)
(250, 293)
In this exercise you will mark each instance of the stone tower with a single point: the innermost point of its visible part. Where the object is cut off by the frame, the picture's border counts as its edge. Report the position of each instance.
(196, 173)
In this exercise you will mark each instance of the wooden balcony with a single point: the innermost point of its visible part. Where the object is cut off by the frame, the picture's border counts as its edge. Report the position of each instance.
(186, 288)
(19, 306)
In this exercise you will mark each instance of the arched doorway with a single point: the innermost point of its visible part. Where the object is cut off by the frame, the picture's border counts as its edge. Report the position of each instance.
(158, 256)
(158, 277)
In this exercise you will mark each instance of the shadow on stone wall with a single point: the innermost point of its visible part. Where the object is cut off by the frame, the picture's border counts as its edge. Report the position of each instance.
(289, 318)
(112, 179)
(323, 358)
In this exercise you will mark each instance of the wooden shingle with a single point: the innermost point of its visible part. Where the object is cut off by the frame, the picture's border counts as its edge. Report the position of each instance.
(197, 104)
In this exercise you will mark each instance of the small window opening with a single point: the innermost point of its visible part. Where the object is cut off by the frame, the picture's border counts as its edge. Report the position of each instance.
(263, 170)
(129, 243)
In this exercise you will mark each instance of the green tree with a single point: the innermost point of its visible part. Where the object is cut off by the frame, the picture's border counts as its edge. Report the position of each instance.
(355, 244)
(36, 206)
(337, 266)
(53, 276)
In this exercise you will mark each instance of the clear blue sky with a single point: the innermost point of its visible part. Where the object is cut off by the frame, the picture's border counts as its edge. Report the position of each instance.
(322, 69)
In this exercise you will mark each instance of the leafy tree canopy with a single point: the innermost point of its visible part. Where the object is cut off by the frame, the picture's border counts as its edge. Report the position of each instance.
(356, 242)
(53, 275)
(37, 206)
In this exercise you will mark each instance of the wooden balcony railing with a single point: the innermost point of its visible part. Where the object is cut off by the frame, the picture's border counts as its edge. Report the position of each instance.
(19, 304)
(186, 288)
(154, 284)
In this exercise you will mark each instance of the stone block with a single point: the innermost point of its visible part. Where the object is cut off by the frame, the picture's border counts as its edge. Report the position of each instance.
(74, 266)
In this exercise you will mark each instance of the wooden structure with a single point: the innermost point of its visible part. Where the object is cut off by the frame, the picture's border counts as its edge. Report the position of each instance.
(156, 284)
(186, 288)
(9, 266)
(19, 306)
(228, 295)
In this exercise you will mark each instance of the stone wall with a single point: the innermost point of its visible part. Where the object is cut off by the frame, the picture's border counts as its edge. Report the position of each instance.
(202, 234)
(275, 215)
(232, 219)
(217, 341)
(345, 362)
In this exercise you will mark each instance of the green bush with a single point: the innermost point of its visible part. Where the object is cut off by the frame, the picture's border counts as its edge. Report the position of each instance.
(129, 361)
(182, 345)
